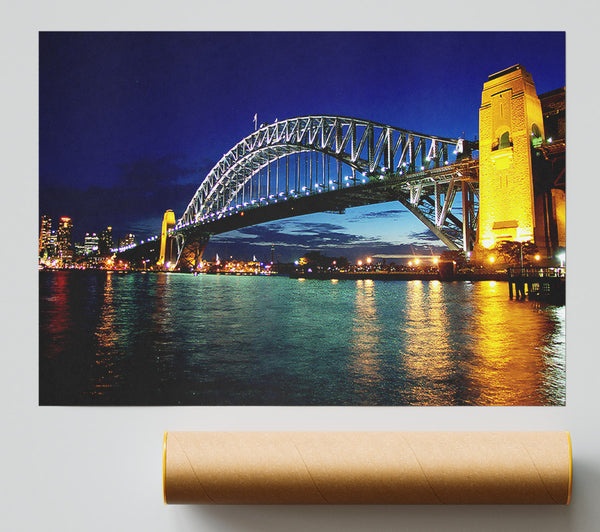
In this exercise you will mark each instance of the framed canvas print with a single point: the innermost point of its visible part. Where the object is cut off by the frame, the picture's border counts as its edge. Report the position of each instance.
(302, 218)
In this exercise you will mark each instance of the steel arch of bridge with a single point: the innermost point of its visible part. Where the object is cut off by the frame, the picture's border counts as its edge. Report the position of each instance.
(426, 170)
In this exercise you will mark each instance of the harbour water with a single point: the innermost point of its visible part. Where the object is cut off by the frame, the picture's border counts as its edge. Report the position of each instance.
(178, 339)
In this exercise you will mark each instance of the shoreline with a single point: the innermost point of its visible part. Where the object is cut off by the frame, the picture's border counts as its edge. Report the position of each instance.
(398, 276)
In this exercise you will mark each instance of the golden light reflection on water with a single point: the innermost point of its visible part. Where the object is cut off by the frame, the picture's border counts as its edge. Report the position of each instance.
(364, 362)
(426, 357)
(458, 344)
(508, 364)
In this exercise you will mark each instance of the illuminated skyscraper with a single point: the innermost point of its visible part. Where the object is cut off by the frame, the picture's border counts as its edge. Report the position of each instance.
(91, 243)
(65, 230)
(45, 229)
(105, 242)
(79, 249)
(127, 240)
(52, 246)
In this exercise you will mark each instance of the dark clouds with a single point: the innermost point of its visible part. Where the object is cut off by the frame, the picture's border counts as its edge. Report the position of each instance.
(292, 239)
(387, 214)
(425, 235)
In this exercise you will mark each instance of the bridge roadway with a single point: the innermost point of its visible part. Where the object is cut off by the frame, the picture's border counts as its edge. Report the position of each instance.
(379, 189)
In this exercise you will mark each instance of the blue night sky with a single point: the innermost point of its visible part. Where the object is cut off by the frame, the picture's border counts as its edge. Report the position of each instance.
(130, 123)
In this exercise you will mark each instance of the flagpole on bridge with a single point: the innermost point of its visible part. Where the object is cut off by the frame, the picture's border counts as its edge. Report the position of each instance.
(255, 121)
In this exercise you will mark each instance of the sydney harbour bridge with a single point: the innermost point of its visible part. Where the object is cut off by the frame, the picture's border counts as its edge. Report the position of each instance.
(314, 164)
(325, 163)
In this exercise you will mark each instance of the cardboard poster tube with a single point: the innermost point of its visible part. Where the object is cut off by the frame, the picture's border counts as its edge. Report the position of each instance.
(367, 468)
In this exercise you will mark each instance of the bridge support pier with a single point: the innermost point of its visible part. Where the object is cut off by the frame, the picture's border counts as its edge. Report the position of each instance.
(190, 251)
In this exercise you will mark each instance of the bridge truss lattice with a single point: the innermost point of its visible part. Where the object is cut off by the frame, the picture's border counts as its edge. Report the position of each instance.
(325, 155)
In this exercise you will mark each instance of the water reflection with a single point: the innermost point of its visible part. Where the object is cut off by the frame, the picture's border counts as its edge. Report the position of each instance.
(509, 364)
(107, 338)
(105, 375)
(427, 355)
(365, 342)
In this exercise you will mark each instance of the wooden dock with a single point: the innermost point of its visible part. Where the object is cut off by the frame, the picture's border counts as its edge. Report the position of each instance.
(546, 284)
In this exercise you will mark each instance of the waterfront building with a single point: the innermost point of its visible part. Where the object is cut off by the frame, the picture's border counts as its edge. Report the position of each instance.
(91, 243)
(105, 242)
(64, 234)
(45, 230)
(127, 240)
(52, 246)
(79, 249)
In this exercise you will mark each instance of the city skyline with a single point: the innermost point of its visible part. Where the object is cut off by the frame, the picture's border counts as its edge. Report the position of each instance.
(130, 123)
